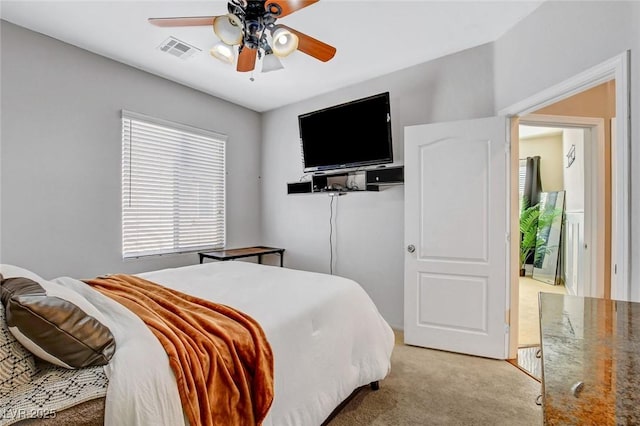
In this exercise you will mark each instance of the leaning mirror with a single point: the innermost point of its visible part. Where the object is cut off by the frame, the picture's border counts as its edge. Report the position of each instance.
(546, 265)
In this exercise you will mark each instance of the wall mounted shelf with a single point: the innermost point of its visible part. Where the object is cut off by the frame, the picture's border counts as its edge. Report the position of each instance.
(352, 181)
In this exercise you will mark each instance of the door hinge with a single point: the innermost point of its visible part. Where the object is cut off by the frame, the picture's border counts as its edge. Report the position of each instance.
(615, 268)
(508, 237)
(506, 329)
(507, 148)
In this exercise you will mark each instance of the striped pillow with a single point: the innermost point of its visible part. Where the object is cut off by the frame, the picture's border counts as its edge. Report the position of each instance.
(17, 365)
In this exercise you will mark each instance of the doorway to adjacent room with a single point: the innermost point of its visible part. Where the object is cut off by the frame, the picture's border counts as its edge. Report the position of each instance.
(570, 142)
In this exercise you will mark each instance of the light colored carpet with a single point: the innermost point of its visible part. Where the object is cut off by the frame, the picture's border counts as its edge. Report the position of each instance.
(430, 387)
(528, 314)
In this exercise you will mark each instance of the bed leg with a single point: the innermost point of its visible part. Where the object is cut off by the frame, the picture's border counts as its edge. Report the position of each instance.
(375, 385)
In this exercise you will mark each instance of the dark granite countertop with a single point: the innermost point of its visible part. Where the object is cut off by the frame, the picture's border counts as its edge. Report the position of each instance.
(590, 360)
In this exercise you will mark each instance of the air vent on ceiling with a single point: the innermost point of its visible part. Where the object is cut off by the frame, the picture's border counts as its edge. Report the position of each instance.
(178, 48)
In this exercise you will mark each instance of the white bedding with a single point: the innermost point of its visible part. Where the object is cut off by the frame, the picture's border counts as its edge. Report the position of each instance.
(142, 389)
(327, 337)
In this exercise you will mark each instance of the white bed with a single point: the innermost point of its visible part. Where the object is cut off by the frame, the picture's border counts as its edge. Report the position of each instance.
(327, 337)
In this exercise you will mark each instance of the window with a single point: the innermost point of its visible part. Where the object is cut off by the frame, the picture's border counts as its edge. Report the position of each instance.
(522, 176)
(173, 187)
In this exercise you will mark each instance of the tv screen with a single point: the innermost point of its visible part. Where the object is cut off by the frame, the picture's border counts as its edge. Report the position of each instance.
(353, 134)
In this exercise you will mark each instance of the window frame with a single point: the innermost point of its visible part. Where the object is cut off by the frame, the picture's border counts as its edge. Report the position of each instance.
(179, 127)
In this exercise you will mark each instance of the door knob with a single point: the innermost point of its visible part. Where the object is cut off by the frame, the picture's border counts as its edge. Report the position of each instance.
(411, 248)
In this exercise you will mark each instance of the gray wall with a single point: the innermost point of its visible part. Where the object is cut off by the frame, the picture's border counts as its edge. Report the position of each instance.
(60, 165)
(560, 40)
(369, 226)
(60, 155)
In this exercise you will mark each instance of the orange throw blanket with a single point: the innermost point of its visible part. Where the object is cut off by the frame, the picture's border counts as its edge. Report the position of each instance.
(221, 358)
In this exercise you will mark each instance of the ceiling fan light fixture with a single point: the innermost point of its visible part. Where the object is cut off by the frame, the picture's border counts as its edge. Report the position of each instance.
(270, 62)
(228, 28)
(248, 34)
(284, 42)
(224, 52)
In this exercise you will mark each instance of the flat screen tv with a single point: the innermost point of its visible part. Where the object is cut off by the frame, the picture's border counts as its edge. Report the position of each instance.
(352, 134)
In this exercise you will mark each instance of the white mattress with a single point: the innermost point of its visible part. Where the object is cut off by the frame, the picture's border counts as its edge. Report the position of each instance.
(327, 336)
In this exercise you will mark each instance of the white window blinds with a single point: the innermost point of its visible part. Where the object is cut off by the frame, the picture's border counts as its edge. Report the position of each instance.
(522, 176)
(173, 187)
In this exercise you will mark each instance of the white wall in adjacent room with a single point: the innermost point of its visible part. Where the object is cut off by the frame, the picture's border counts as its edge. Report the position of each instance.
(549, 148)
(61, 155)
(573, 141)
(369, 225)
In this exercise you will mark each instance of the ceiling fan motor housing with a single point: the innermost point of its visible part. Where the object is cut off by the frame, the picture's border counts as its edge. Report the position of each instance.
(256, 17)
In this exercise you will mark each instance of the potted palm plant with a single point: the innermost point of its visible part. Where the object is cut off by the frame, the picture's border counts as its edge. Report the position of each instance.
(531, 219)
(528, 233)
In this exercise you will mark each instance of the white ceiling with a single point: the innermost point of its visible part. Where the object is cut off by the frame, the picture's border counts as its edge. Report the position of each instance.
(525, 132)
(372, 37)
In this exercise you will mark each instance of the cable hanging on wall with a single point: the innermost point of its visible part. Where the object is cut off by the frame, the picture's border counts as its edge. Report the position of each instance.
(332, 219)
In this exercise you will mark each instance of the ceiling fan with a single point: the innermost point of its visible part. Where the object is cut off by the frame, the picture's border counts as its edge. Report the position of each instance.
(251, 25)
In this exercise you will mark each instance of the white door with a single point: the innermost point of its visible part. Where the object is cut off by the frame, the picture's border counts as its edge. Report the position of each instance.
(456, 235)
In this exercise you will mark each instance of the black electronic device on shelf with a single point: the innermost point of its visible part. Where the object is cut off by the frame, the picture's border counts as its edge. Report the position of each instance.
(299, 187)
(349, 135)
(384, 176)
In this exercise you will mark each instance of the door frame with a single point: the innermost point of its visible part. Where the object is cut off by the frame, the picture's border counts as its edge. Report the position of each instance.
(616, 68)
(595, 202)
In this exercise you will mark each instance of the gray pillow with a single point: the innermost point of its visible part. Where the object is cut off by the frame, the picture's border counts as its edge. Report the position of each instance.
(54, 328)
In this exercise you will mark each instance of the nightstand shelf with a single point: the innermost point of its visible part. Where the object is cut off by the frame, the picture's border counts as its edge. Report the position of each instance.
(239, 253)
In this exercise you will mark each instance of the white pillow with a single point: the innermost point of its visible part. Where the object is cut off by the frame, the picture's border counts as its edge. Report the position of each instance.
(53, 289)
(10, 271)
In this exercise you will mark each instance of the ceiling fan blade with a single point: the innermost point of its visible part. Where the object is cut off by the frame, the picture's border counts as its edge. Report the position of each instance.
(313, 47)
(289, 6)
(193, 21)
(247, 59)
